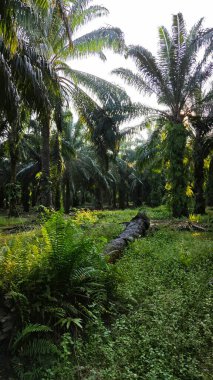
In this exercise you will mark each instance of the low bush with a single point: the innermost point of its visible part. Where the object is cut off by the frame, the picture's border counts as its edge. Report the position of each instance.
(50, 284)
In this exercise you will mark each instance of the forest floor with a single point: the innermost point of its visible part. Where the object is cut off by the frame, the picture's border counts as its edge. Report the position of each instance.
(158, 323)
(161, 322)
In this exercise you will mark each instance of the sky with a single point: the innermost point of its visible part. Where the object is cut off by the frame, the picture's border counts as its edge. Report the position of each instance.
(139, 20)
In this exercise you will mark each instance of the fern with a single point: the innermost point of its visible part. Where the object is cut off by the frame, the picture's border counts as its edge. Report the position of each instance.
(82, 274)
(55, 311)
(58, 235)
(17, 297)
(68, 322)
(70, 308)
(34, 374)
(56, 281)
(46, 239)
(86, 312)
(38, 347)
(29, 329)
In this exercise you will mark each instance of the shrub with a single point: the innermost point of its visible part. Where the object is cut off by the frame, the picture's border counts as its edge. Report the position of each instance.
(52, 279)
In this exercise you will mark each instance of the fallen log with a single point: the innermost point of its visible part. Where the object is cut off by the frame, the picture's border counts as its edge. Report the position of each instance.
(135, 228)
(188, 226)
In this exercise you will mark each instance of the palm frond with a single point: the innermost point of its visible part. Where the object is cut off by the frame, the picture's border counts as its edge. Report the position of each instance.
(133, 79)
(165, 43)
(65, 18)
(148, 153)
(102, 128)
(178, 33)
(110, 96)
(27, 173)
(43, 4)
(80, 16)
(9, 97)
(149, 68)
(99, 39)
(135, 129)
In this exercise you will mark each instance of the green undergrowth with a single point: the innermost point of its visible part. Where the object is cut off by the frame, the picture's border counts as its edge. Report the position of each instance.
(66, 314)
(6, 221)
(161, 319)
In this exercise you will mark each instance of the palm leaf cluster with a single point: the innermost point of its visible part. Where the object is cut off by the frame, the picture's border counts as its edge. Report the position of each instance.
(176, 72)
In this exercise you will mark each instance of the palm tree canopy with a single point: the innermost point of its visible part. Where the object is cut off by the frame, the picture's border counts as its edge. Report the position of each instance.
(176, 71)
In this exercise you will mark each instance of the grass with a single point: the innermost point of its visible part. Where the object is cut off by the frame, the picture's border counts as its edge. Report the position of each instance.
(156, 322)
(161, 322)
(6, 221)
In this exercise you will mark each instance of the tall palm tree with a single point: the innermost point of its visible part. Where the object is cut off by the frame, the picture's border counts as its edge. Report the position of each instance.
(23, 89)
(172, 76)
(82, 170)
(55, 46)
(35, 72)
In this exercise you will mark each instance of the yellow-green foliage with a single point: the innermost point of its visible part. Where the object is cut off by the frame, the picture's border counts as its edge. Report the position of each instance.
(21, 254)
(85, 217)
(51, 278)
(194, 218)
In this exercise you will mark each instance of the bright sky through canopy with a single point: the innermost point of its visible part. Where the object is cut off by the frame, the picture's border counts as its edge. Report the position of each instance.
(139, 20)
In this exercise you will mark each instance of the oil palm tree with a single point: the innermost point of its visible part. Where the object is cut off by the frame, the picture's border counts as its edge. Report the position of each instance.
(35, 74)
(173, 76)
(54, 45)
(82, 170)
(23, 88)
(24, 91)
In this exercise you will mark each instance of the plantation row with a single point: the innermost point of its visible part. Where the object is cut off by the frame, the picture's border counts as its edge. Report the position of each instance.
(48, 159)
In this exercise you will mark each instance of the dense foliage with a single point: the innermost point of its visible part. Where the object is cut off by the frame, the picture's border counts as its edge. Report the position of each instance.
(48, 159)
(66, 313)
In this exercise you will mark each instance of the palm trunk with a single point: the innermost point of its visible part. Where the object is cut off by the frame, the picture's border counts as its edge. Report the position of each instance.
(176, 144)
(67, 196)
(114, 197)
(121, 197)
(137, 195)
(34, 195)
(58, 172)
(75, 199)
(46, 193)
(1, 197)
(127, 199)
(13, 149)
(83, 198)
(58, 196)
(199, 207)
(26, 197)
(98, 198)
(209, 190)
